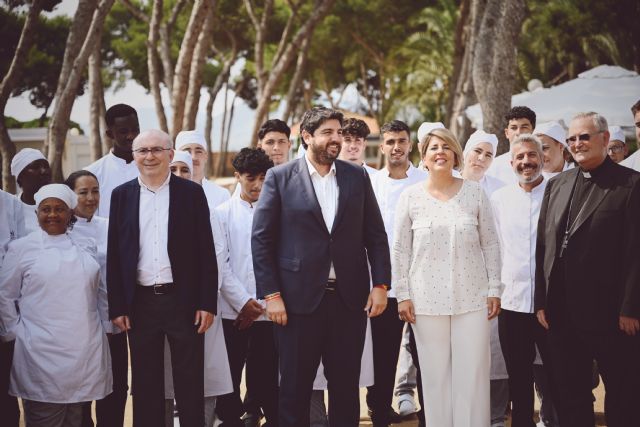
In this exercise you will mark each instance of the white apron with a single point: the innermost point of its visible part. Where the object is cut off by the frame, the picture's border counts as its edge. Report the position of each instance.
(61, 351)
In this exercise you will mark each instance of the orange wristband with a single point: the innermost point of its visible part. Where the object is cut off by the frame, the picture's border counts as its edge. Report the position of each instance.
(386, 288)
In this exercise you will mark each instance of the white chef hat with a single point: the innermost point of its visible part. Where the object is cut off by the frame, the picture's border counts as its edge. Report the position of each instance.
(481, 136)
(59, 191)
(190, 137)
(184, 157)
(24, 158)
(426, 128)
(552, 130)
(616, 134)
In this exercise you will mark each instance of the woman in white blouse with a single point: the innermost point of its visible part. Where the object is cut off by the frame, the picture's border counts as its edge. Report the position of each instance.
(446, 272)
(49, 303)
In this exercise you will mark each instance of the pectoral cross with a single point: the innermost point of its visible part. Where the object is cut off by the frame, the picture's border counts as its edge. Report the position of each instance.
(565, 243)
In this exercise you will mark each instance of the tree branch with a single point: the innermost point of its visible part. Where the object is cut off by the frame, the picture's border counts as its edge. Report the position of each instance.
(133, 9)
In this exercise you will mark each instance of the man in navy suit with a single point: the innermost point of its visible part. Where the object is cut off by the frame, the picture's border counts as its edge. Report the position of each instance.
(314, 229)
(162, 280)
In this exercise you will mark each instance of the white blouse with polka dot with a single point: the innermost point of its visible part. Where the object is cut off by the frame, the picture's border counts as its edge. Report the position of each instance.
(446, 254)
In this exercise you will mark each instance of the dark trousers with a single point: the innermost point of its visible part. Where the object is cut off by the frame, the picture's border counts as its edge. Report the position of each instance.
(335, 334)
(572, 352)
(8, 404)
(153, 317)
(110, 410)
(519, 334)
(254, 347)
(413, 349)
(386, 334)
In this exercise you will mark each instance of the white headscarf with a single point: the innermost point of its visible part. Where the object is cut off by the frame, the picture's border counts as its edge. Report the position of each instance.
(190, 137)
(616, 134)
(184, 157)
(553, 130)
(24, 158)
(58, 191)
(426, 128)
(478, 137)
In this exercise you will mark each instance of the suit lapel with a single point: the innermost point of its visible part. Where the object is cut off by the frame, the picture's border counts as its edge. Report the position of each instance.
(308, 192)
(563, 197)
(343, 193)
(593, 200)
(133, 199)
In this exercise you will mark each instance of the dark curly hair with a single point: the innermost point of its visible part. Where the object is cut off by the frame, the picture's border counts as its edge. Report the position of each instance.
(355, 127)
(521, 112)
(274, 125)
(395, 126)
(253, 161)
(635, 108)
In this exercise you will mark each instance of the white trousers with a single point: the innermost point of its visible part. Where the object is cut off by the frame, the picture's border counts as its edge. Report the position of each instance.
(455, 360)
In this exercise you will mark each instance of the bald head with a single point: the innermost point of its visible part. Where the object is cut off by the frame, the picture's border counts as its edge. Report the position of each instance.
(158, 137)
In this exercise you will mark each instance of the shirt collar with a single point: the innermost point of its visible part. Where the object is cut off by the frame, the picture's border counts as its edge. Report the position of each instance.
(165, 183)
(313, 170)
(118, 160)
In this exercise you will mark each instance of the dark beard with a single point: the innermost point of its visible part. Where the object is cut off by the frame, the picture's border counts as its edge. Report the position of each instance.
(321, 155)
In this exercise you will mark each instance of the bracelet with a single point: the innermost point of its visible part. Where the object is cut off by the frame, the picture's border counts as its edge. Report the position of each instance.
(385, 287)
(272, 296)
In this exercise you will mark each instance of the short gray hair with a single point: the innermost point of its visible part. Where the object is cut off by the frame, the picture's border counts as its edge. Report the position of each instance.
(161, 136)
(527, 138)
(598, 120)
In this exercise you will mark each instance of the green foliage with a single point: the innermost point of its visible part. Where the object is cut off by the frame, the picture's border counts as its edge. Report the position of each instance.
(40, 122)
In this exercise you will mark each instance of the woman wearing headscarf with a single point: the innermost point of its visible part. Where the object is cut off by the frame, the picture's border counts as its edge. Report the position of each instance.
(91, 230)
(49, 303)
(446, 267)
(478, 154)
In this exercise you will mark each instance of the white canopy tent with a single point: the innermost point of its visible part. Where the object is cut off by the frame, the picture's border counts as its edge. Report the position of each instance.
(606, 89)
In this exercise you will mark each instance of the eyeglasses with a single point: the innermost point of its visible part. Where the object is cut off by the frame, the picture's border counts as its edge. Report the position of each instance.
(615, 149)
(153, 150)
(582, 137)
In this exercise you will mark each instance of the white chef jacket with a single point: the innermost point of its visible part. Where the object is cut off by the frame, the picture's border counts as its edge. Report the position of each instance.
(516, 214)
(234, 219)
(501, 169)
(30, 216)
(490, 184)
(11, 221)
(549, 175)
(89, 234)
(387, 191)
(49, 304)
(633, 161)
(215, 194)
(371, 171)
(111, 172)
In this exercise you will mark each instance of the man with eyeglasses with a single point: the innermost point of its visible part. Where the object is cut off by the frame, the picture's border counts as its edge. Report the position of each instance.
(162, 280)
(617, 148)
(588, 223)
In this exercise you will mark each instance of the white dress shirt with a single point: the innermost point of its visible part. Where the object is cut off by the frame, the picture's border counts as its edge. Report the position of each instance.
(233, 233)
(326, 189)
(29, 215)
(371, 171)
(445, 255)
(516, 214)
(154, 266)
(633, 161)
(111, 172)
(387, 191)
(11, 221)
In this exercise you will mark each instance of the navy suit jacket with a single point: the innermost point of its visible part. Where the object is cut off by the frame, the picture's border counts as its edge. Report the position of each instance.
(190, 246)
(293, 249)
(602, 256)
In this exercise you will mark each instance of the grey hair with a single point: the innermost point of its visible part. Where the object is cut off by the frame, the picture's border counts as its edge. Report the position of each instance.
(527, 137)
(156, 134)
(598, 120)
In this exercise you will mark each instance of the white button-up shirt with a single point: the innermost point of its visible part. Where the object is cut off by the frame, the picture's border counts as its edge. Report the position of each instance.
(232, 231)
(387, 191)
(326, 189)
(111, 172)
(215, 194)
(516, 214)
(11, 221)
(154, 266)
